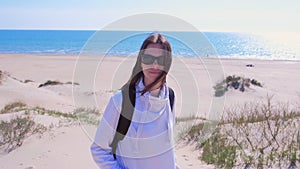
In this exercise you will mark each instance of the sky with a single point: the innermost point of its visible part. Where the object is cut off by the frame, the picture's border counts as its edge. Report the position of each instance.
(205, 15)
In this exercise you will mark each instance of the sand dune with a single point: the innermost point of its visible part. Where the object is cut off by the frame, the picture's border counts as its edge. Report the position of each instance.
(68, 147)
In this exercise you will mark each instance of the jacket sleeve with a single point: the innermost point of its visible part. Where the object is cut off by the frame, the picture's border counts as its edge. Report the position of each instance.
(100, 149)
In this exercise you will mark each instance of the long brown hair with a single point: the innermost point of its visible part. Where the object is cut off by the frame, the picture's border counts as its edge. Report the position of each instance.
(137, 72)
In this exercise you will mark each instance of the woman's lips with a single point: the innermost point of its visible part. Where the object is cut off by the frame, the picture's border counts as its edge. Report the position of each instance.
(155, 71)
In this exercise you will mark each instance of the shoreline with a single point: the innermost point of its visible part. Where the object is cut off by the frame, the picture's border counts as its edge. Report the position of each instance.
(114, 56)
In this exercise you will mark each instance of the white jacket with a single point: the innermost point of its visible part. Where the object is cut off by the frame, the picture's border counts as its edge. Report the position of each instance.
(148, 143)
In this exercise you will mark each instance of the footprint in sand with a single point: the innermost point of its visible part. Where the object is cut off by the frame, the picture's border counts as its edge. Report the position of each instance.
(186, 159)
(29, 167)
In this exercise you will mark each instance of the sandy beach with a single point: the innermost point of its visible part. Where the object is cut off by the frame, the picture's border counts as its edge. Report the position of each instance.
(66, 144)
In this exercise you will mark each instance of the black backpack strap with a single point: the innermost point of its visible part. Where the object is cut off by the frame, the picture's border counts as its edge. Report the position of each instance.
(171, 97)
(125, 118)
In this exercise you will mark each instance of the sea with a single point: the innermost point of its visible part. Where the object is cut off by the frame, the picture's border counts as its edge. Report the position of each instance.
(277, 46)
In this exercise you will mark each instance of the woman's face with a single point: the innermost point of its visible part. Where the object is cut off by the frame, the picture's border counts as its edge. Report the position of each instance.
(153, 61)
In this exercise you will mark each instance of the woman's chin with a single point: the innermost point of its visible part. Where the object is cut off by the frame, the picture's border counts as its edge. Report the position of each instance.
(150, 78)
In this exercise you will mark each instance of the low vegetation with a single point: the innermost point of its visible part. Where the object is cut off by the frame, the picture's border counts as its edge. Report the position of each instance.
(89, 116)
(53, 113)
(27, 81)
(12, 107)
(191, 118)
(217, 151)
(52, 83)
(257, 135)
(0, 76)
(234, 82)
(14, 132)
(74, 83)
(6, 74)
(21, 124)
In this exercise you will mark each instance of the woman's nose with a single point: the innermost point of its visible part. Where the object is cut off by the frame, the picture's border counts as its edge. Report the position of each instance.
(155, 64)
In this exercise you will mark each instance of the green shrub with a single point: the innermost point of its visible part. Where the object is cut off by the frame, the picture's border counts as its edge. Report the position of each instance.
(266, 134)
(259, 135)
(194, 131)
(256, 83)
(191, 118)
(217, 151)
(14, 132)
(1, 76)
(74, 83)
(27, 81)
(54, 113)
(12, 107)
(88, 115)
(50, 82)
(235, 82)
(220, 89)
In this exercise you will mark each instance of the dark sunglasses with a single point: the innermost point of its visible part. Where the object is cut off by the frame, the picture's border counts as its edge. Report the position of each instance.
(149, 59)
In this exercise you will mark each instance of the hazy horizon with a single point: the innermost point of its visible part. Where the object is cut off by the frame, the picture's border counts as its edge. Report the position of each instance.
(206, 16)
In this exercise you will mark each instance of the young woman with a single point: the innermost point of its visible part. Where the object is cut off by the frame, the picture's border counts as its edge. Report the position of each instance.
(145, 99)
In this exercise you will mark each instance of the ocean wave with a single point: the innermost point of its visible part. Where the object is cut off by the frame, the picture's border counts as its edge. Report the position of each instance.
(222, 45)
